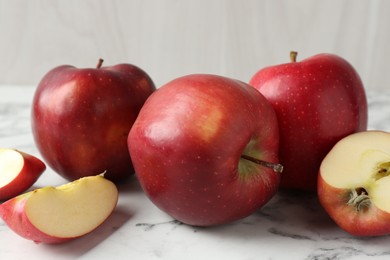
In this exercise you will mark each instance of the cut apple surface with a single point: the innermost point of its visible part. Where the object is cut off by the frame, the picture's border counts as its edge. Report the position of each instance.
(354, 183)
(18, 172)
(58, 214)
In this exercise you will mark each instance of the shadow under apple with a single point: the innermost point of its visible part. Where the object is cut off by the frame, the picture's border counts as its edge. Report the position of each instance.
(289, 215)
(82, 245)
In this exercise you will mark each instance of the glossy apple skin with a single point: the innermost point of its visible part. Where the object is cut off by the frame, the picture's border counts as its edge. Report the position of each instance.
(29, 174)
(13, 213)
(372, 222)
(186, 145)
(81, 118)
(318, 101)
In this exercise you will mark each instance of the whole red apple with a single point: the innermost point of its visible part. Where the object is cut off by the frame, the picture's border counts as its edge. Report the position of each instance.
(81, 118)
(318, 101)
(194, 147)
(354, 184)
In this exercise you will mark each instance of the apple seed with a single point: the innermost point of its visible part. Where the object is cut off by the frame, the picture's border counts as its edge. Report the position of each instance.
(383, 170)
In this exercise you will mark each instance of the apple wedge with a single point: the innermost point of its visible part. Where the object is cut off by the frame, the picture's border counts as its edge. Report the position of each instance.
(59, 214)
(18, 172)
(354, 183)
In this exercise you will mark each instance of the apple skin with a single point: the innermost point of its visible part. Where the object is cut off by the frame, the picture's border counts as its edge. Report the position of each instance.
(318, 101)
(186, 146)
(81, 118)
(14, 214)
(32, 169)
(373, 222)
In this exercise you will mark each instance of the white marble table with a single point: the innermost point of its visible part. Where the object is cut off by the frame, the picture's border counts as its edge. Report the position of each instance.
(290, 226)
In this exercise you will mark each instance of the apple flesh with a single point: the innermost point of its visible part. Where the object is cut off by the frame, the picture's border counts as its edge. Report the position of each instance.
(318, 101)
(59, 214)
(81, 118)
(205, 149)
(18, 172)
(354, 183)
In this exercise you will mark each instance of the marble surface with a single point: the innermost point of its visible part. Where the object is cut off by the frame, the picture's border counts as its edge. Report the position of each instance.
(290, 226)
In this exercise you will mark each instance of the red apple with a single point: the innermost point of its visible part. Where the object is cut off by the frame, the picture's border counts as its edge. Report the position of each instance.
(81, 118)
(318, 101)
(194, 146)
(18, 172)
(59, 214)
(354, 183)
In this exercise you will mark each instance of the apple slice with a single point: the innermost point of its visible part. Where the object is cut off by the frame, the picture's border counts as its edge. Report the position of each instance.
(354, 183)
(18, 172)
(59, 214)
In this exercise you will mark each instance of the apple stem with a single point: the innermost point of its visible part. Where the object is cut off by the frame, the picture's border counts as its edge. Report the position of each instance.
(293, 56)
(274, 166)
(100, 63)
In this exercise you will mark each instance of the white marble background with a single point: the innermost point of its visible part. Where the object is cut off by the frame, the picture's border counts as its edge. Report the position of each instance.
(170, 38)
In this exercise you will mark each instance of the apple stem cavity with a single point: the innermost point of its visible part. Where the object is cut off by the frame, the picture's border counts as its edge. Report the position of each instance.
(276, 167)
(359, 199)
(100, 63)
(293, 56)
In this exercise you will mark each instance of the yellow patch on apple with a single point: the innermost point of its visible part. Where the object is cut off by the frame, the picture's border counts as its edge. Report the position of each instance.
(208, 124)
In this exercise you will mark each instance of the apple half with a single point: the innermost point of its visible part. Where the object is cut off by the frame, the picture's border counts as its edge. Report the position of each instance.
(18, 172)
(59, 214)
(354, 183)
